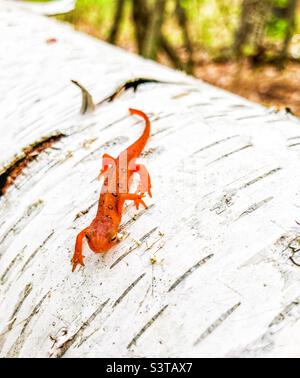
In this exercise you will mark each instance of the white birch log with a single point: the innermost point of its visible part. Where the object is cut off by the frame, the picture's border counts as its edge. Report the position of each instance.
(51, 8)
(205, 271)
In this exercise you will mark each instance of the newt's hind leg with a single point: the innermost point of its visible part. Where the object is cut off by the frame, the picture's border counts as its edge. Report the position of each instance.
(78, 256)
(145, 180)
(135, 197)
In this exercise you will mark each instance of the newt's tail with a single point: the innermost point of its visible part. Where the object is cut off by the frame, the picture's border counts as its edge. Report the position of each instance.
(137, 147)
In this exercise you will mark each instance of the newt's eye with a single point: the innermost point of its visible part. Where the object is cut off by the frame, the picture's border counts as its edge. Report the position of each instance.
(114, 237)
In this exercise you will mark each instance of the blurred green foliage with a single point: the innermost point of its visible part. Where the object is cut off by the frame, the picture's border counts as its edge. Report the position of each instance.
(213, 24)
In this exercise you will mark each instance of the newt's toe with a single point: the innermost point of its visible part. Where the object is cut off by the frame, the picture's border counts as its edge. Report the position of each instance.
(139, 201)
(76, 261)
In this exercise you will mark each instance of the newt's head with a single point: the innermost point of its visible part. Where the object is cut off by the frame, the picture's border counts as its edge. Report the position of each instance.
(101, 236)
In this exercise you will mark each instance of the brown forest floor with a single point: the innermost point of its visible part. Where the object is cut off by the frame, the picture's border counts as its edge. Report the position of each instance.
(265, 84)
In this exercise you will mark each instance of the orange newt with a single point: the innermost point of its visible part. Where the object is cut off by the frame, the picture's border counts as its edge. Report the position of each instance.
(102, 233)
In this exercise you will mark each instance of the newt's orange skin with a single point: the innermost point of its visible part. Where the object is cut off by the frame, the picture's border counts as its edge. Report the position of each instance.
(102, 233)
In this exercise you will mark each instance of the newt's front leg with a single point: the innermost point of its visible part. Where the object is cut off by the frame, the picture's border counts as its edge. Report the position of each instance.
(78, 256)
(135, 197)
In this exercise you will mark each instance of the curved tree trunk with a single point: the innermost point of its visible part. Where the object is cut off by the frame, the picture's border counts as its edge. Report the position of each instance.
(254, 16)
(120, 4)
(140, 14)
(291, 20)
(152, 38)
(183, 22)
(207, 270)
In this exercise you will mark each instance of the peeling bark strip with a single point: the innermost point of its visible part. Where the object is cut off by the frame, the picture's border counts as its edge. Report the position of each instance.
(250, 117)
(84, 212)
(214, 144)
(24, 295)
(135, 217)
(285, 312)
(249, 183)
(15, 168)
(134, 247)
(232, 153)
(216, 116)
(65, 346)
(190, 271)
(146, 326)
(256, 206)
(11, 265)
(293, 145)
(18, 344)
(88, 104)
(130, 287)
(148, 234)
(217, 323)
(119, 259)
(32, 256)
(32, 211)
